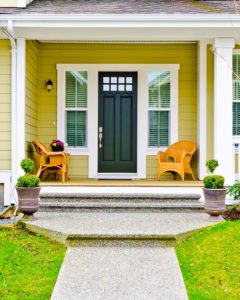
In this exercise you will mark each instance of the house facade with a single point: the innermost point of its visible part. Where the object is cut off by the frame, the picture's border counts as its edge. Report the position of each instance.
(128, 81)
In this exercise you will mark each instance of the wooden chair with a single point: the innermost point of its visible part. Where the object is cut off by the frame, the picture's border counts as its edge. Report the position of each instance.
(176, 159)
(51, 160)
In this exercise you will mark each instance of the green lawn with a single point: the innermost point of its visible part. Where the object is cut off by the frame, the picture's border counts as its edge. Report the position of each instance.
(29, 265)
(210, 262)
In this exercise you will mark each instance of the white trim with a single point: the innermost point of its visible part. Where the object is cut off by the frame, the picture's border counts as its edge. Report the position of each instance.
(14, 108)
(117, 175)
(173, 134)
(202, 108)
(161, 42)
(142, 113)
(225, 43)
(21, 3)
(18, 108)
(188, 20)
(20, 117)
(223, 146)
(5, 178)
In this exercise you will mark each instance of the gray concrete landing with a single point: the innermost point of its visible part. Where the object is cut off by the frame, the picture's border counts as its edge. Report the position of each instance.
(109, 273)
(117, 225)
(119, 255)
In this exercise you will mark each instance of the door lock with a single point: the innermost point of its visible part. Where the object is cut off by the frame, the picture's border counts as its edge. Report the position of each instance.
(100, 136)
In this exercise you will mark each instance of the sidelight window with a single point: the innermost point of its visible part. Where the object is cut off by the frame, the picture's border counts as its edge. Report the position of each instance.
(159, 108)
(76, 108)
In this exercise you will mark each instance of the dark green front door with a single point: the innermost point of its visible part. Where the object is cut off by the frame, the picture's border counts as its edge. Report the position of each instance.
(117, 125)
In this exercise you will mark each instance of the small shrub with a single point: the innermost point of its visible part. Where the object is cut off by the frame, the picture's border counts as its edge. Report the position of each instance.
(213, 182)
(28, 180)
(27, 165)
(234, 191)
(212, 164)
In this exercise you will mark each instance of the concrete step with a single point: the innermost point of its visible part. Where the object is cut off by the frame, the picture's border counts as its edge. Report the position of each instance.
(115, 201)
(72, 206)
(123, 197)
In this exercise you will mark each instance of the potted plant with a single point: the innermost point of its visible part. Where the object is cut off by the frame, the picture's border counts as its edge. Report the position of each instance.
(233, 212)
(28, 189)
(57, 145)
(214, 191)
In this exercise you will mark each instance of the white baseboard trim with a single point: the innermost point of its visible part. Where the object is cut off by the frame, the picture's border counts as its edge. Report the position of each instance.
(117, 176)
(5, 178)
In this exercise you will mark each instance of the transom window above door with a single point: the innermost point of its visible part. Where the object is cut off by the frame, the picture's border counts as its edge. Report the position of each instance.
(117, 83)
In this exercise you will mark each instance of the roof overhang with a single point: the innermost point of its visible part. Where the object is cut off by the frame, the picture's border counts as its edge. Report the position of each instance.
(122, 27)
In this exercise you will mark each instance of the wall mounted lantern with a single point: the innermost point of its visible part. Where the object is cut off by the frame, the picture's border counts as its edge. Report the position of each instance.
(49, 85)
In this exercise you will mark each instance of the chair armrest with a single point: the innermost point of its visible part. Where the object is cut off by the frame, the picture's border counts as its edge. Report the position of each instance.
(51, 153)
(161, 156)
(184, 154)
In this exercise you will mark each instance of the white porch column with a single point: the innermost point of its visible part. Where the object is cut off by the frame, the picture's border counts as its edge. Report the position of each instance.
(18, 111)
(202, 107)
(223, 107)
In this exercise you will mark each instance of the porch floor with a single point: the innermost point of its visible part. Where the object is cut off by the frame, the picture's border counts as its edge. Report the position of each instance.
(124, 183)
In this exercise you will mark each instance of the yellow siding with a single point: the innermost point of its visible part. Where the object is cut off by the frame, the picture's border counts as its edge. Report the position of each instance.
(5, 105)
(78, 167)
(52, 54)
(32, 58)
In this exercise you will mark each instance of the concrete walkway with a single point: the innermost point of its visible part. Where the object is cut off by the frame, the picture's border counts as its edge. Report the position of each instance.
(132, 264)
(109, 273)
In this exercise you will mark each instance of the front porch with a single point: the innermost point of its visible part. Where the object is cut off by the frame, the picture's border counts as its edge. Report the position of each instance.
(181, 85)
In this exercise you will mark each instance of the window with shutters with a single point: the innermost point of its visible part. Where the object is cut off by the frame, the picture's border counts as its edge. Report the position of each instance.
(159, 108)
(236, 94)
(76, 108)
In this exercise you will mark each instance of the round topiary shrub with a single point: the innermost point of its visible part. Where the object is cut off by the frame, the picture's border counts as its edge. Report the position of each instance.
(213, 182)
(28, 180)
(27, 165)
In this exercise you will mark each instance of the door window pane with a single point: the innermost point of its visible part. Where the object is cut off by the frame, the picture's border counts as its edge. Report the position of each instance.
(129, 80)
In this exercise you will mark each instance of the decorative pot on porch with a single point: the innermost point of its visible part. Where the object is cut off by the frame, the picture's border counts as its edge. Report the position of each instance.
(214, 201)
(214, 191)
(28, 189)
(57, 145)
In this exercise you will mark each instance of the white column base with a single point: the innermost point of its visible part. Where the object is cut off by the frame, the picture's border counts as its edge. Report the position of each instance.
(5, 178)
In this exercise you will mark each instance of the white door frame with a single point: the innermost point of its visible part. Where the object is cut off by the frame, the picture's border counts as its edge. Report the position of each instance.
(142, 111)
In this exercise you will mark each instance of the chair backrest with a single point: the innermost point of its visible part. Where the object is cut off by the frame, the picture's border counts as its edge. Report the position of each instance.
(176, 150)
(42, 152)
(40, 148)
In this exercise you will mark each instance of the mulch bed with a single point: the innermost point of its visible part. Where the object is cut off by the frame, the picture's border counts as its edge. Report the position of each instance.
(232, 214)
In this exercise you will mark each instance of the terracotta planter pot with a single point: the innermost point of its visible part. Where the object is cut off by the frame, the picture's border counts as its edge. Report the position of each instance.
(28, 199)
(214, 201)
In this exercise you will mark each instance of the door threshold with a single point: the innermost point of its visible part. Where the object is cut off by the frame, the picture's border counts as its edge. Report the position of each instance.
(117, 176)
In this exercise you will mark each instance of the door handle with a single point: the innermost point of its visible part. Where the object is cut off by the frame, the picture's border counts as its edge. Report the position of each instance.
(100, 136)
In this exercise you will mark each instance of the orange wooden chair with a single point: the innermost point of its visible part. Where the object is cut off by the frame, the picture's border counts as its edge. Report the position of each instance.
(176, 159)
(51, 160)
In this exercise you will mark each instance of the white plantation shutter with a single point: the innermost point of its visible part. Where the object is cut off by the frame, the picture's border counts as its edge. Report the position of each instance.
(236, 94)
(159, 104)
(76, 108)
